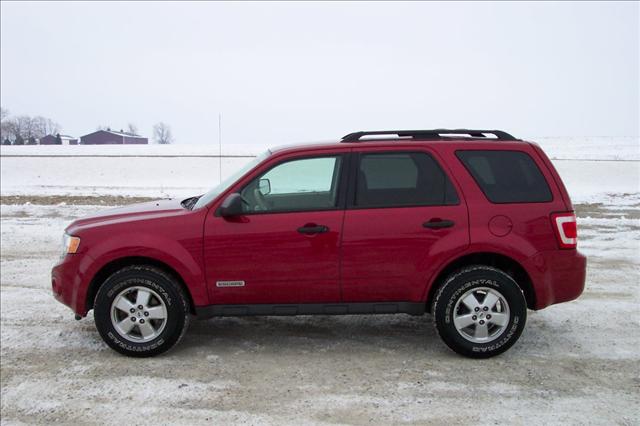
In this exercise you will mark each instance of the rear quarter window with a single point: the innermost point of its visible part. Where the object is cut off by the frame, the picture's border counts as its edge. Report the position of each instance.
(506, 176)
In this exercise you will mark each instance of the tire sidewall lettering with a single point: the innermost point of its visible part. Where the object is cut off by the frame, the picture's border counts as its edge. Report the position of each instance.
(131, 282)
(124, 343)
(463, 281)
(166, 288)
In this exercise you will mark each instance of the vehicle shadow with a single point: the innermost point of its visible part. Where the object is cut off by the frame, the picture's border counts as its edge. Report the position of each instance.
(312, 333)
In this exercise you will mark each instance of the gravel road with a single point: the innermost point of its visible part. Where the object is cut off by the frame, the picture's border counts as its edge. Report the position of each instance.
(576, 363)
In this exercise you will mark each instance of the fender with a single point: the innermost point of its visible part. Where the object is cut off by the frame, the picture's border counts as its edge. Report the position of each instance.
(156, 247)
(519, 253)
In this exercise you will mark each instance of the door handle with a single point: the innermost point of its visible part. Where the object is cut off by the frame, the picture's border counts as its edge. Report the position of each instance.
(438, 223)
(313, 229)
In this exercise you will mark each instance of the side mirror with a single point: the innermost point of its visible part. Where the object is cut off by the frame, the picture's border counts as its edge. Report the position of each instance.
(264, 186)
(231, 206)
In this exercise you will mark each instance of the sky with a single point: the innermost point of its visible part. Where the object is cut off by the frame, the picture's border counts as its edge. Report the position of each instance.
(286, 72)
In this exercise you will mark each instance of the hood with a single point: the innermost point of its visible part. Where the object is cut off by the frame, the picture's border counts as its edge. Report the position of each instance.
(138, 211)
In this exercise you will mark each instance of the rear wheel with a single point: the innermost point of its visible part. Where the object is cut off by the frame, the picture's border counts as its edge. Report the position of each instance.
(480, 311)
(141, 311)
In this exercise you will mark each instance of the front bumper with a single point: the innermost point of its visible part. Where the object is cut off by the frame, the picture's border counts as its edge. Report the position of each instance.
(69, 282)
(557, 275)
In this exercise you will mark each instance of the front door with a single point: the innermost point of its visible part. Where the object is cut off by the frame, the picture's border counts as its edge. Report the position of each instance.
(285, 247)
(404, 218)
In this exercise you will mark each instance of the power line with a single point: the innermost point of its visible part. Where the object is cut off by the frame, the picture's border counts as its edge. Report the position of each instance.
(220, 143)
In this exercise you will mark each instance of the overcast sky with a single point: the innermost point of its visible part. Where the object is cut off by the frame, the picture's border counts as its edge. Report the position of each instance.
(285, 72)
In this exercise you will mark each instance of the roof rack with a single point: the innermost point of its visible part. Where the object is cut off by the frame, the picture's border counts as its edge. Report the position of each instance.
(434, 134)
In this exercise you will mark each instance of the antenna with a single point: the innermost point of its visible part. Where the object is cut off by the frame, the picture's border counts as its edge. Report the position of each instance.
(220, 144)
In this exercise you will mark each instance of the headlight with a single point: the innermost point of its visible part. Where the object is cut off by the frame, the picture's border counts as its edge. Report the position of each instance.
(70, 245)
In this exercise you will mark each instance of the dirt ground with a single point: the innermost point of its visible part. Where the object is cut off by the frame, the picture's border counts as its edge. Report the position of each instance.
(576, 363)
(86, 200)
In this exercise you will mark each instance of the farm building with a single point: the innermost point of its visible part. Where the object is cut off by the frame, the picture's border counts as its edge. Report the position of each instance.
(106, 137)
(51, 140)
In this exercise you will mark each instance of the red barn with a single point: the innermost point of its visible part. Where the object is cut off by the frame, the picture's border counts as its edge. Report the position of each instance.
(51, 140)
(110, 137)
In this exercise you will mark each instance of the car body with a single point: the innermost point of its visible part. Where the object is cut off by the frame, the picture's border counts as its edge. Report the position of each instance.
(350, 238)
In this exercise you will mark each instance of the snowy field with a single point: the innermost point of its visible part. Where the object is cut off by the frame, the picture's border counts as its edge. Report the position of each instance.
(590, 167)
(576, 363)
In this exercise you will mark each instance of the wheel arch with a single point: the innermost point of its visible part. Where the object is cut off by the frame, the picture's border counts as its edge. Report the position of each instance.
(500, 261)
(115, 265)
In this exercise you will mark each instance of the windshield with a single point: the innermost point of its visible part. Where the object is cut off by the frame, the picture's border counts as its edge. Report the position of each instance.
(226, 183)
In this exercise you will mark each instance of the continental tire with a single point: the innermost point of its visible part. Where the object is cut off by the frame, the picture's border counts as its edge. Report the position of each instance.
(141, 311)
(479, 311)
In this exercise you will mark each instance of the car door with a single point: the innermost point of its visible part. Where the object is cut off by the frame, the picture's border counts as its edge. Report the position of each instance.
(403, 218)
(284, 248)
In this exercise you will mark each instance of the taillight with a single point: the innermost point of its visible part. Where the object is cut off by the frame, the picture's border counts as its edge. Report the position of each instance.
(566, 229)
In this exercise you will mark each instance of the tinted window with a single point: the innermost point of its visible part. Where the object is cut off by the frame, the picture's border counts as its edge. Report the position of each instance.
(297, 185)
(402, 179)
(507, 176)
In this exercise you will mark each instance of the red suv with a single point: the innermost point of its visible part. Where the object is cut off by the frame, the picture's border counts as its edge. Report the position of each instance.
(473, 226)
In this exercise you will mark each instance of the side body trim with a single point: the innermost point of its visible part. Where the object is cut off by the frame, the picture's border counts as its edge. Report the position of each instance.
(411, 308)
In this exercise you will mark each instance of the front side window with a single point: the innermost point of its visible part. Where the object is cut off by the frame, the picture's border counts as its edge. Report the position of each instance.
(296, 185)
(402, 179)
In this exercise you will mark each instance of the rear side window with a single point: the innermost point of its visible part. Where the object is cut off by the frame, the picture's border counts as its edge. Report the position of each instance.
(402, 179)
(507, 176)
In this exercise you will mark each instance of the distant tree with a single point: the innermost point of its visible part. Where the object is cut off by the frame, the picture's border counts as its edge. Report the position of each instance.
(32, 141)
(6, 141)
(132, 128)
(14, 126)
(26, 126)
(5, 130)
(42, 126)
(19, 140)
(58, 139)
(22, 126)
(162, 133)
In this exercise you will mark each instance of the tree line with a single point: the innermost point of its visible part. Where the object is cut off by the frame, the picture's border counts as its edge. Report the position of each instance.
(27, 130)
(24, 129)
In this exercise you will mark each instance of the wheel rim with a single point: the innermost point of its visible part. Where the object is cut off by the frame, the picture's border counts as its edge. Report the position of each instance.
(138, 314)
(481, 315)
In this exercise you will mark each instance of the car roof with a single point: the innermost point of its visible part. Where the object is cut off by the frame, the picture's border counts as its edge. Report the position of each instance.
(393, 138)
(394, 142)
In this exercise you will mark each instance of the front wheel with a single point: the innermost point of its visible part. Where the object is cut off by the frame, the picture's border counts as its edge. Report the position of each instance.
(480, 311)
(141, 311)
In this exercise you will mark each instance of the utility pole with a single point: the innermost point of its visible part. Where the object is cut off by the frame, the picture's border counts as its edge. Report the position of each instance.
(220, 143)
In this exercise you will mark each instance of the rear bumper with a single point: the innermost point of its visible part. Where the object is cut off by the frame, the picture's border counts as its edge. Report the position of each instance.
(557, 275)
(68, 282)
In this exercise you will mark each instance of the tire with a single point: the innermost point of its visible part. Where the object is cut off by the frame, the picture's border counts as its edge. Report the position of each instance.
(152, 330)
(467, 324)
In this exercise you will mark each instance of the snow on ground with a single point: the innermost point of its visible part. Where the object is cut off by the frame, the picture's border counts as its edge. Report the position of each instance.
(185, 170)
(576, 363)
(590, 148)
(200, 149)
(592, 181)
(135, 176)
(576, 148)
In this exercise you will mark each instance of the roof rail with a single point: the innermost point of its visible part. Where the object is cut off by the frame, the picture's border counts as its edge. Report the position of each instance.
(430, 134)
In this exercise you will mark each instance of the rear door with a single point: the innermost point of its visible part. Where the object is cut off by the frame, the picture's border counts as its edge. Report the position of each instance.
(404, 217)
